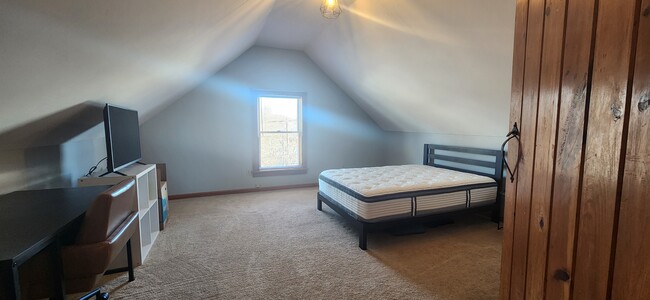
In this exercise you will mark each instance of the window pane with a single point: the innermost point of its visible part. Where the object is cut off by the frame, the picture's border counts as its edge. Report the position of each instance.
(279, 114)
(279, 150)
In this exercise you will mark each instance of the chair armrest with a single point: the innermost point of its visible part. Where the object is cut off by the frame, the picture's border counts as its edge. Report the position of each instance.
(125, 231)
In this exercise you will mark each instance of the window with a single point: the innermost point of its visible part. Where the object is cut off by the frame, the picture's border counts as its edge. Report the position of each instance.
(279, 134)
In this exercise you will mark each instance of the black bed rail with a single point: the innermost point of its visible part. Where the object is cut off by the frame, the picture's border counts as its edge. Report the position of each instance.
(457, 154)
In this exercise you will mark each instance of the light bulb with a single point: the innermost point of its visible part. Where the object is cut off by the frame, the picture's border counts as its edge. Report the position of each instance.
(330, 9)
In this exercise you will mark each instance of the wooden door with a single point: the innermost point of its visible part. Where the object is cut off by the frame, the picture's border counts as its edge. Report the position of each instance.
(575, 215)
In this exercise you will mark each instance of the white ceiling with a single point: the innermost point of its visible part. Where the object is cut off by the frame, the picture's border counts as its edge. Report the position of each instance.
(140, 54)
(294, 24)
(438, 66)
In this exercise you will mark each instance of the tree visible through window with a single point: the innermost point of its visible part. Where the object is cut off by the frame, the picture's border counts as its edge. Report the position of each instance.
(279, 132)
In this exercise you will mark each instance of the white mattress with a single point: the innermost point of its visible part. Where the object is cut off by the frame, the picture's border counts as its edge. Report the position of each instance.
(378, 193)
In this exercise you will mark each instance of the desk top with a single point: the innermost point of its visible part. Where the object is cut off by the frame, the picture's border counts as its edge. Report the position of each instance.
(31, 220)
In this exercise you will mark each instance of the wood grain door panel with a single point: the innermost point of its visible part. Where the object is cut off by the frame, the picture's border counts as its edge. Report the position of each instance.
(528, 132)
(576, 85)
(632, 265)
(518, 68)
(608, 110)
(542, 184)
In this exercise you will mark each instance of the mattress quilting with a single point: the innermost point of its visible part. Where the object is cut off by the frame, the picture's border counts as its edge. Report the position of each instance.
(378, 181)
(381, 193)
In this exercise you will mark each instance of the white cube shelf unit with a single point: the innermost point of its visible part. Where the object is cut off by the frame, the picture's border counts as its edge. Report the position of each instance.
(147, 205)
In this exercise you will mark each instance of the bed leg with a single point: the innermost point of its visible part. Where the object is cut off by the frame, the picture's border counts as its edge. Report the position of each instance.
(496, 215)
(319, 204)
(363, 238)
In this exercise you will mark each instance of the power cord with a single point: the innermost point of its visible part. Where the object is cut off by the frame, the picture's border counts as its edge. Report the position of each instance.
(93, 168)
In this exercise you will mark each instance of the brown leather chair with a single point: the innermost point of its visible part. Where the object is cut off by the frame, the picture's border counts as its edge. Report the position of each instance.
(108, 226)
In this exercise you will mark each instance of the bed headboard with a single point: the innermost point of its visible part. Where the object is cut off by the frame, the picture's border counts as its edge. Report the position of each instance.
(485, 162)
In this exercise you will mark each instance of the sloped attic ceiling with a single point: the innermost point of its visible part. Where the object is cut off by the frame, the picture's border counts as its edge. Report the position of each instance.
(439, 66)
(294, 24)
(139, 54)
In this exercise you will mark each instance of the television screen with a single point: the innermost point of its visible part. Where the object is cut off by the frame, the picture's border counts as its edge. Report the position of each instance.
(122, 137)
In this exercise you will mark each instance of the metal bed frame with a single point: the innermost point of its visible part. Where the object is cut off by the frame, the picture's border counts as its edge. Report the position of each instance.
(432, 157)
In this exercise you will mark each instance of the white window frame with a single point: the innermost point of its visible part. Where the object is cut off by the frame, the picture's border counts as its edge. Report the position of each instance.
(282, 170)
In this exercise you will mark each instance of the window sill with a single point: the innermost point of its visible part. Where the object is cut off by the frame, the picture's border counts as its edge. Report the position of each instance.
(279, 172)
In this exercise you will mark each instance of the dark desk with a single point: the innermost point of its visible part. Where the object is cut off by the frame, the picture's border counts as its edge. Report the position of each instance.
(30, 221)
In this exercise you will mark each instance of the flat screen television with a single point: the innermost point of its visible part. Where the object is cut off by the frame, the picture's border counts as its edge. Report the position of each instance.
(122, 137)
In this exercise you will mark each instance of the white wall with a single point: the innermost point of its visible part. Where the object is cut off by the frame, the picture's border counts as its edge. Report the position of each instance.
(407, 147)
(52, 166)
(82, 152)
(207, 137)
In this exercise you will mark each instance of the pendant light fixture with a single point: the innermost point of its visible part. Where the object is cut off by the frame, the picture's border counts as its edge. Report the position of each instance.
(330, 9)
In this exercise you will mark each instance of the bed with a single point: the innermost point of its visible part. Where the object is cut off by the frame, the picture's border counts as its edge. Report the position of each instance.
(451, 180)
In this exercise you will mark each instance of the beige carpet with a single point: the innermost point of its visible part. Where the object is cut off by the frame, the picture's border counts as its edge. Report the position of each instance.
(276, 245)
